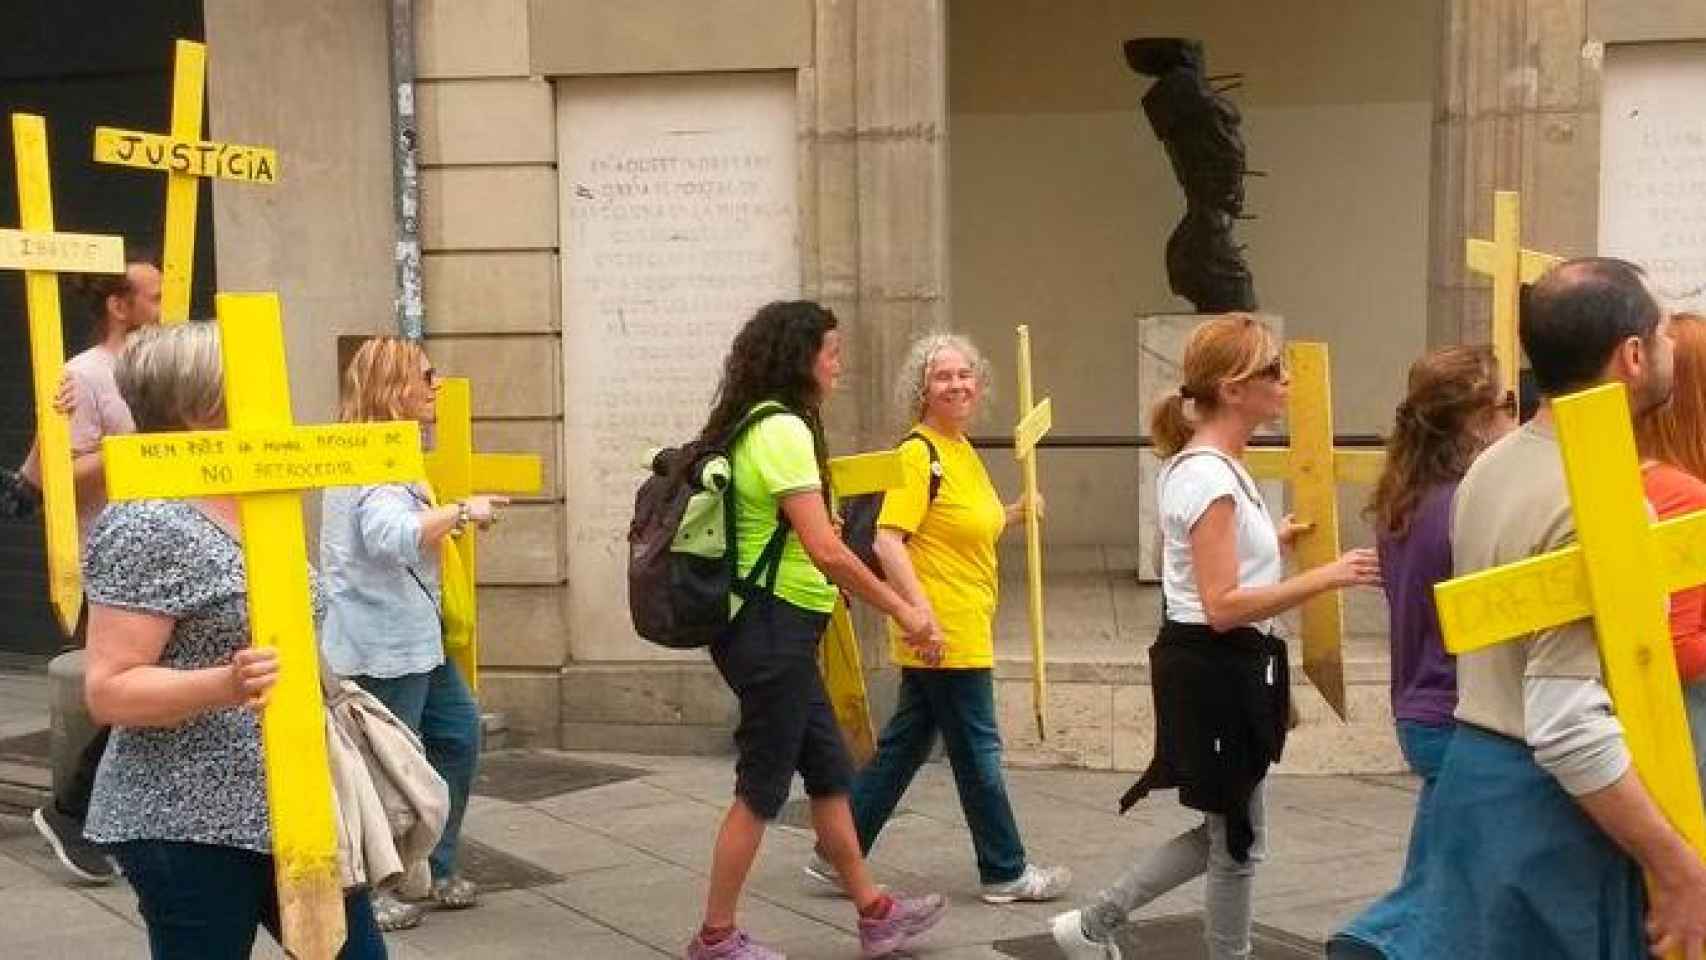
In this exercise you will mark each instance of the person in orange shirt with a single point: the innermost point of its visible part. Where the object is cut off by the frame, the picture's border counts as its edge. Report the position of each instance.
(1672, 440)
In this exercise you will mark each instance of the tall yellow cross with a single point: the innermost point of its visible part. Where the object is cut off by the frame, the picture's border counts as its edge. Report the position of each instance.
(1314, 469)
(1035, 420)
(838, 658)
(1510, 266)
(185, 158)
(457, 472)
(266, 461)
(1620, 575)
(41, 254)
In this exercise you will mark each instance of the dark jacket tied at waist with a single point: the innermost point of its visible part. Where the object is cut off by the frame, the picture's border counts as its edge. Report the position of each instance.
(1222, 701)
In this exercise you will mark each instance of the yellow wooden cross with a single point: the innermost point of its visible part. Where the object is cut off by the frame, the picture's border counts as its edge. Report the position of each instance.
(457, 472)
(1034, 423)
(1314, 469)
(1510, 266)
(1620, 575)
(839, 659)
(41, 254)
(185, 158)
(265, 461)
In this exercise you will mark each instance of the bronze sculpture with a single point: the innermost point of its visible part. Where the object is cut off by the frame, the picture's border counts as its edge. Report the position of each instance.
(1198, 127)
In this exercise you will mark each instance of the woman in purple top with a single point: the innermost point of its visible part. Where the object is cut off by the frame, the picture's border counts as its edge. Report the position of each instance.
(1453, 411)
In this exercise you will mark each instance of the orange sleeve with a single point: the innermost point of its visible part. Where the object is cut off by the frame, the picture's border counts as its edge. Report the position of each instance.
(1674, 493)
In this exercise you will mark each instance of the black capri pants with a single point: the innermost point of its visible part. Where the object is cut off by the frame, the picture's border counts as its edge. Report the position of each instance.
(768, 657)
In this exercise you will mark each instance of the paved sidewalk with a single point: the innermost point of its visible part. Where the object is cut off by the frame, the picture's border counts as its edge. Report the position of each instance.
(616, 871)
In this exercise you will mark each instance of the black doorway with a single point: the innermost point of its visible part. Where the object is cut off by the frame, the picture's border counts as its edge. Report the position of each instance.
(80, 64)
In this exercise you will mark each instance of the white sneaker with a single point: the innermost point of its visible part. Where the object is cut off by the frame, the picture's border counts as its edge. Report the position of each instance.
(1068, 930)
(822, 872)
(1035, 885)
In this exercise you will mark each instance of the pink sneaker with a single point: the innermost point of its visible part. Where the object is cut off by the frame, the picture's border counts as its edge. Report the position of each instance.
(736, 946)
(907, 919)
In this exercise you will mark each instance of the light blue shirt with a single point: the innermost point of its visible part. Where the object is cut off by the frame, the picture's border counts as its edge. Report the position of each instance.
(382, 589)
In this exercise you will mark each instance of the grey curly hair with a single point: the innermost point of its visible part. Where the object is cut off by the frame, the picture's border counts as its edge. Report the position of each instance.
(915, 371)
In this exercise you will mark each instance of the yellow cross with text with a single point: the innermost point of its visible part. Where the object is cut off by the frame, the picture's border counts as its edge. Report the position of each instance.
(1510, 266)
(41, 254)
(185, 158)
(457, 472)
(1314, 469)
(1620, 575)
(1035, 420)
(839, 658)
(266, 461)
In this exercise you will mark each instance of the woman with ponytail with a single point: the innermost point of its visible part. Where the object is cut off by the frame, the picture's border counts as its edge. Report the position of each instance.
(1218, 673)
(1453, 410)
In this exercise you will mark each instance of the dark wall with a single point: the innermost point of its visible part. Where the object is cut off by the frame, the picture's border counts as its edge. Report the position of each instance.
(81, 64)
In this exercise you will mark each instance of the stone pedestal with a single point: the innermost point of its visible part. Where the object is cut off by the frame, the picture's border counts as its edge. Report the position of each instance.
(1160, 348)
(71, 726)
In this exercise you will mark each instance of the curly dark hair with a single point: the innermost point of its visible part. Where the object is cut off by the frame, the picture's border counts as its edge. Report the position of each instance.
(772, 359)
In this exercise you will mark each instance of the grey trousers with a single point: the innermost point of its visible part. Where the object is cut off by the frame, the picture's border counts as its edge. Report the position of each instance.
(1199, 850)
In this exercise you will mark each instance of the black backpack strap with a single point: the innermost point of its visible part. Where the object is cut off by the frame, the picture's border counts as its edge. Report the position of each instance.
(935, 462)
(768, 566)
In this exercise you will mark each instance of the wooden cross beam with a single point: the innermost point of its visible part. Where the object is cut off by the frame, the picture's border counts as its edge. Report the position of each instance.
(265, 460)
(1314, 469)
(1510, 266)
(457, 472)
(838, 657)
(185, 158)
(1035, 420)
(1620, 575)
(42, 254)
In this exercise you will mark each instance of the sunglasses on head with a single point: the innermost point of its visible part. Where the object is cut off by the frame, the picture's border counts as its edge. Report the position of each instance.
(1275, 370)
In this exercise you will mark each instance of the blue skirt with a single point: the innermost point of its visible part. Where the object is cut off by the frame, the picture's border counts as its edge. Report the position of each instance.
(1511, 868)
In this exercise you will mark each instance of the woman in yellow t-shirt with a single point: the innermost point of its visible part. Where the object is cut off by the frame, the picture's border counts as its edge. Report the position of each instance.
(937, 546)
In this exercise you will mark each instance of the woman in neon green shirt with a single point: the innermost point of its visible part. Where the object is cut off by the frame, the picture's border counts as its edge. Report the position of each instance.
(789, 355)
(938, 548)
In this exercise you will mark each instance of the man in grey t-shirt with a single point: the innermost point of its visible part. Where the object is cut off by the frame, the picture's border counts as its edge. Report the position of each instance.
(1541, 827)
(120, 304)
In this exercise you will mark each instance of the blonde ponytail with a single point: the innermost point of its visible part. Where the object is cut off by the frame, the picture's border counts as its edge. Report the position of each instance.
(1169, 427)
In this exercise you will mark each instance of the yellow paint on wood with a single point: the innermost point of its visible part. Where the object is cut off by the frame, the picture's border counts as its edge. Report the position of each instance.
(1624, 572)
(61, 252)
(1032, 428)
(1315, 501)
(1509, 266)
(42, 254)
(185, 158)
(1037, 427)
(219, 463)
(844, 680)
(456, 472)
(195, 158)
(1313, 468)
(864, 473)
(299, 785)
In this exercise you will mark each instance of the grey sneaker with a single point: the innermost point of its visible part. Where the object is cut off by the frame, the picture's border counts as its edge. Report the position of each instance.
(82, 859)
(736, 946)
(393, 914)
(909, 918)
(1068, 931)
(822, 874)
(1035, 885)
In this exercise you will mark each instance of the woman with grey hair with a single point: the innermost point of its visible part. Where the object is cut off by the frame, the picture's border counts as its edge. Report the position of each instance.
(936, 539)
(180, 798)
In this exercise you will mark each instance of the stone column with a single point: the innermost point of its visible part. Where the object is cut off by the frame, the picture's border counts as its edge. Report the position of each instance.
(874, 217)
(1517, 108)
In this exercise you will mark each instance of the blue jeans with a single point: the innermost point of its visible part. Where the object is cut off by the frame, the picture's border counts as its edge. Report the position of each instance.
(203, 902)
(1388, 920)
(439, 708)
(961, 705)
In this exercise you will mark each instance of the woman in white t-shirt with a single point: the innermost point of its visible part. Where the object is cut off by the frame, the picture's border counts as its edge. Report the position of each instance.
(1219, 676)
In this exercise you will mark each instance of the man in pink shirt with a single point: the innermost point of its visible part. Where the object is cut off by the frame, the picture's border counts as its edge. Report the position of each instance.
(119, 305)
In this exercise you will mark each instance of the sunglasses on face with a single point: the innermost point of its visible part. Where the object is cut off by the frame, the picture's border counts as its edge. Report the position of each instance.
(1275, 370)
